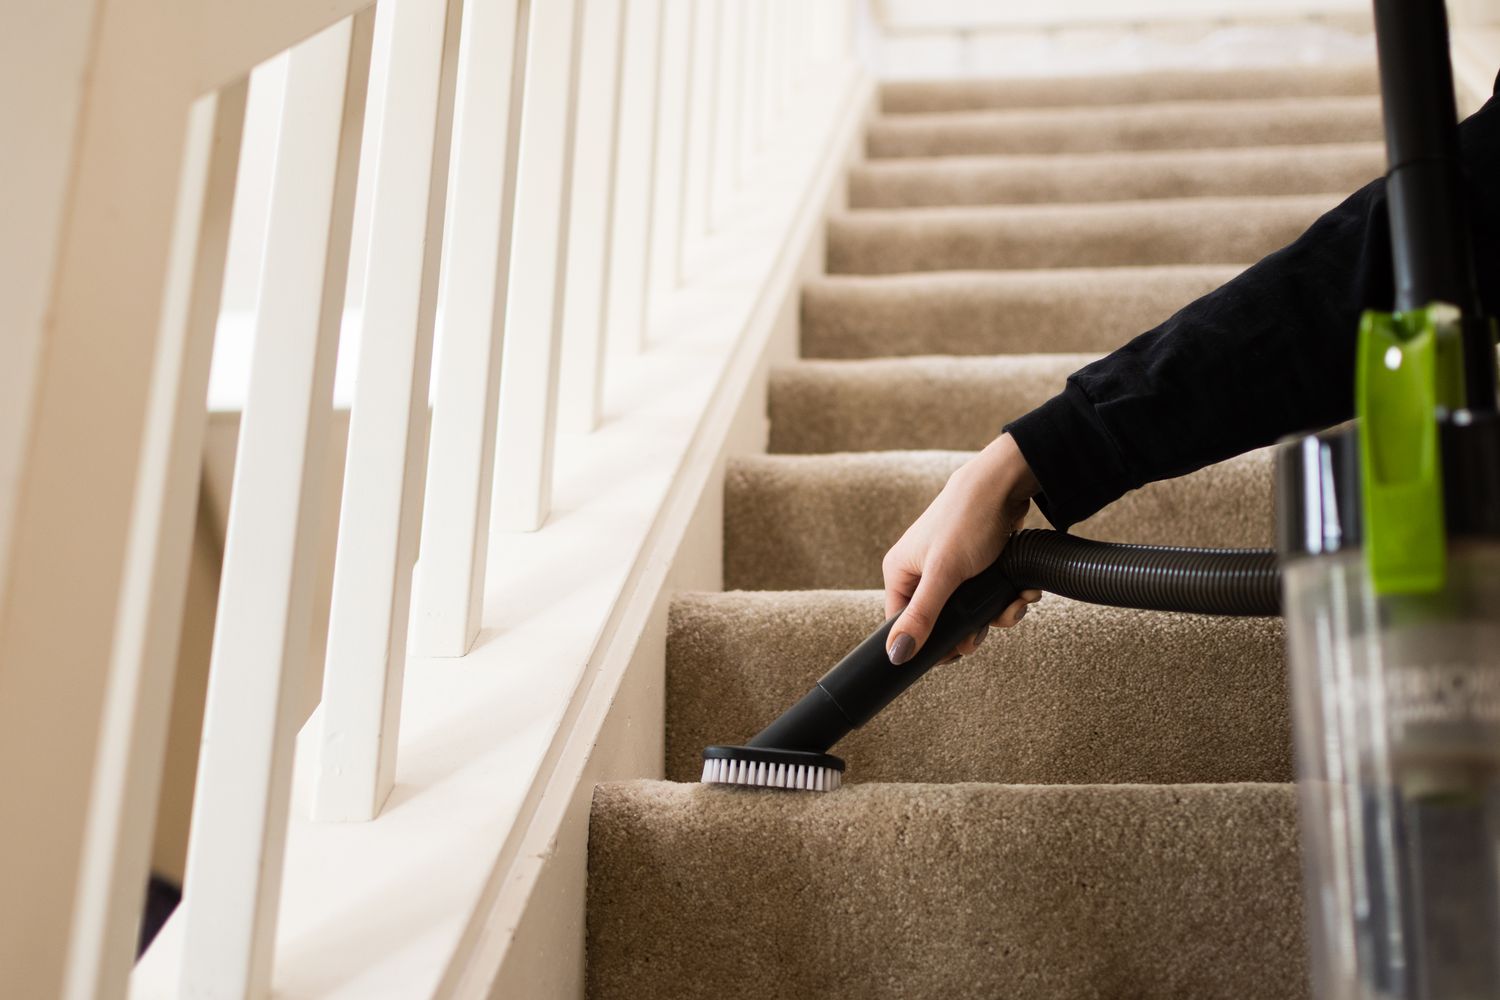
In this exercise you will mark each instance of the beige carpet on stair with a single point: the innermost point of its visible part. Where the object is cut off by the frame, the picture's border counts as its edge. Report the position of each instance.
(1077, 694)
(891, 404)
(1184, 125)
(1092, 805)
(1183, 231)
(997, 312)
(889, 892)
(825, 521)
(909, 96)
(1132, 176)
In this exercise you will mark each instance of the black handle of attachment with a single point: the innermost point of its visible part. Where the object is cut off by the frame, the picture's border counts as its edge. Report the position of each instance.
(865, 681)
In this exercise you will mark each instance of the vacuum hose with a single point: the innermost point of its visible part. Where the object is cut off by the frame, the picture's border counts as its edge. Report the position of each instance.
(1149, 577)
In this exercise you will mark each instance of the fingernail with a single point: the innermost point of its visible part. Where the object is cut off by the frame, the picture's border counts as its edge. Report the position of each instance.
(902, 649)
(980, 636)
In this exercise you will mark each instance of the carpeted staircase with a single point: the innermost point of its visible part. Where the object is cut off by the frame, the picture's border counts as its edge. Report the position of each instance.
(1095, 804)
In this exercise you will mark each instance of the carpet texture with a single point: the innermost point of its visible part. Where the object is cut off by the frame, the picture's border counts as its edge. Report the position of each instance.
(1093, 804)
(1090, 310)
(825, 521)
(1078, 695)
(909, 96)
(944, 891)
(1184, 231)
(891, 404)
(1182, 125)
(1091, 177)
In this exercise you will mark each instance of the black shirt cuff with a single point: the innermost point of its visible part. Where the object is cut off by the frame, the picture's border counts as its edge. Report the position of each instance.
(1072, 457)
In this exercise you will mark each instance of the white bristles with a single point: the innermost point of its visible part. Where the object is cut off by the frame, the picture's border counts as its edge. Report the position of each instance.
(760, 774)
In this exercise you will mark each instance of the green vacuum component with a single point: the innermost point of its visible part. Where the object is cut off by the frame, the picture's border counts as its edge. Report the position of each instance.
(1409, 368)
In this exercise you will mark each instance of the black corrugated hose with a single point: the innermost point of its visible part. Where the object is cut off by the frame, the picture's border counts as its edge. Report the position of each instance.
(1149, 577)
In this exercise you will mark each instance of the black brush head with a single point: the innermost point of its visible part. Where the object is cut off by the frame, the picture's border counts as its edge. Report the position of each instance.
(769, 767)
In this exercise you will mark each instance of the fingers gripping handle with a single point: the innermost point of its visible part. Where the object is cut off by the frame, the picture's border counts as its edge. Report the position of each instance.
(865, 681)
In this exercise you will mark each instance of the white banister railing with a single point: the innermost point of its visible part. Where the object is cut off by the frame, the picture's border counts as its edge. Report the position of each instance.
(260, 648)
(405, 170)
(133, 728)
(591, 216)
(527, 434)
(675, 98)
(450, 572)
(635, 170)
(523, 188)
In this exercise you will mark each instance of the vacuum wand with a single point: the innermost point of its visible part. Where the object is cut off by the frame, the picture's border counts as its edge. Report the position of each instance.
(792, 752)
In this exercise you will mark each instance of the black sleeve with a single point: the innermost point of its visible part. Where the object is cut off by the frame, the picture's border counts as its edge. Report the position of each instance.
(1268, 354)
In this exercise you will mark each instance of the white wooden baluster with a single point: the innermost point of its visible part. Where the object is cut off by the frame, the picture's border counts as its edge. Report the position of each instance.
(261, 636)
(449, 581)
(789, 32)
(591, 216)
(753, 100)
(380, 518)
(86, 244)
(635, 172)
(533, 316)
(697, 187)
(671, 151)
(773, 47)
(133, 734)
(728, 130)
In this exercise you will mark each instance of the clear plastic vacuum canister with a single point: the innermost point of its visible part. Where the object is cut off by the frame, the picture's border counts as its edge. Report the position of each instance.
(1397, 714)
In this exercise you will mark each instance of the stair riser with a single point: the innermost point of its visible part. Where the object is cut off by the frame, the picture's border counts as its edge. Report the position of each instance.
(935, 892)
(1021, 180)
(1074, 695)
(1075, 310)
(1209, 231)
(1196, 125)
(958, 404)
(825, 522)
(1114, 89)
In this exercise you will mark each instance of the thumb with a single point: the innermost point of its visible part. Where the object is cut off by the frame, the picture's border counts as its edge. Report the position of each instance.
(914, 625)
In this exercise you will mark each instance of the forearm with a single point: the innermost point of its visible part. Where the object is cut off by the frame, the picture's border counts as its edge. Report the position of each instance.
(1268, 354)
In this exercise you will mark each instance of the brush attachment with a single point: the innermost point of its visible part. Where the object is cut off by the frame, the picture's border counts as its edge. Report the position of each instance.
(769, 767)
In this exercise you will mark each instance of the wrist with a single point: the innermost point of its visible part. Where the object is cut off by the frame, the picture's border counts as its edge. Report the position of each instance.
(1007, 469)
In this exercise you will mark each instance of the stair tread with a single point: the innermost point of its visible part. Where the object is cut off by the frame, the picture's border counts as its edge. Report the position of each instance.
(944, 890)
(800, 522)
(1106, 234)
(911, 403)
(916, 96)
(1175, 125)
(994, 312)
(1075, 694)
(1114, 175)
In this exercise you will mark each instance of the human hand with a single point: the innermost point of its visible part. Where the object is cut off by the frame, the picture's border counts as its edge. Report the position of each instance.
(959, 534)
